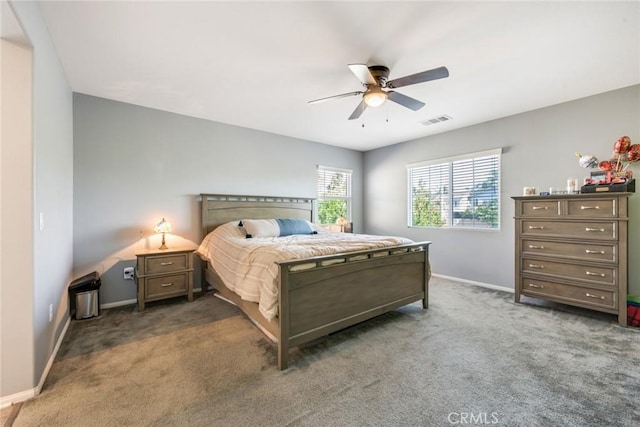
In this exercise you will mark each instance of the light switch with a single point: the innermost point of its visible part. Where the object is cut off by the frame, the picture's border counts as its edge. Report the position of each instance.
(41, 221)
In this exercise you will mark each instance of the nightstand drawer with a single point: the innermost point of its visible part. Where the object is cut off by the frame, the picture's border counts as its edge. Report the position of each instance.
(165, 263)
(165, 285)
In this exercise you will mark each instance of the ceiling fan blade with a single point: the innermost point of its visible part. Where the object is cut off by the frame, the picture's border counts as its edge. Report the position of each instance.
(363, 74)
(344, 95)
(405, 101)
(358, 111)
(425, 76)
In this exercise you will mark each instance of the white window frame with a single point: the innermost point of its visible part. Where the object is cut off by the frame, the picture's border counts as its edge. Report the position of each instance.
(449, 203)
(348, 191)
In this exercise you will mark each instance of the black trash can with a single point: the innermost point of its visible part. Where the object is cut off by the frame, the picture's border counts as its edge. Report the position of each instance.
(84, 296)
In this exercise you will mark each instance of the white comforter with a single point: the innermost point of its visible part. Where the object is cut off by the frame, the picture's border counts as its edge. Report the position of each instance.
(248, 266)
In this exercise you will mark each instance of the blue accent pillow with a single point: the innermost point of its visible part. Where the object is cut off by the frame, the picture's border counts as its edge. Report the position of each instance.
(293, 226)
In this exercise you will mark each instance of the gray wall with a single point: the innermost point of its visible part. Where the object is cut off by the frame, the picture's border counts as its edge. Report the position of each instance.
(538, 150)
(135, 165)
(52, 174)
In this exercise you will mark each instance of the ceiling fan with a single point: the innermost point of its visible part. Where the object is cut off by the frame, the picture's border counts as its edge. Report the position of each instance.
(375, 78)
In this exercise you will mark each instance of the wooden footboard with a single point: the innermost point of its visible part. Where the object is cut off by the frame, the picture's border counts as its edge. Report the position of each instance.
(325, 294)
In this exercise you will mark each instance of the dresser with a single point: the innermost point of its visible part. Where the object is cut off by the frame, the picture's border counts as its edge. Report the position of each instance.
(162, 274)
(572, 249)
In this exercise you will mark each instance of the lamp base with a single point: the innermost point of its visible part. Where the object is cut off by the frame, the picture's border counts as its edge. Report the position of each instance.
(163, 246)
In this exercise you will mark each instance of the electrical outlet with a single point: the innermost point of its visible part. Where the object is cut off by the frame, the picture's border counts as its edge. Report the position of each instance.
(128, 273)
(50, 312)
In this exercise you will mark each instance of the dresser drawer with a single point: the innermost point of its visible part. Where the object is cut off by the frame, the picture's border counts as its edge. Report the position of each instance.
(589, 274)
(606, 230)
(540, 208)
(165, 263)
(166, 285)
(577, 251)
(571, 294)
(592, 208)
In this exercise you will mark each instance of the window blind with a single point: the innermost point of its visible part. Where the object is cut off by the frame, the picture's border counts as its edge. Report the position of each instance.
(462, 192)
(334, 194)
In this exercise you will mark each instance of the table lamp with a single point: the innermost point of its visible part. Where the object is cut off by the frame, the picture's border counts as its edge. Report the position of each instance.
(163, 227)
(342, 222)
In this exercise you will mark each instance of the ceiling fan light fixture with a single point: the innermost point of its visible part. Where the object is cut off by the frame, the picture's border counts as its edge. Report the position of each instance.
(376, 77)
(375, 97)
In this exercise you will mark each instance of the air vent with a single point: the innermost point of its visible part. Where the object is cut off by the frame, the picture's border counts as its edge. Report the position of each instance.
(435, 120)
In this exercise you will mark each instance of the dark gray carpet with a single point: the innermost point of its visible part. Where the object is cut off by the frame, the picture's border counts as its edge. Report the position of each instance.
(474, 357)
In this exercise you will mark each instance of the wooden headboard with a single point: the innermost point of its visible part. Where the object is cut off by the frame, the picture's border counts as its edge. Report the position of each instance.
(218, 209)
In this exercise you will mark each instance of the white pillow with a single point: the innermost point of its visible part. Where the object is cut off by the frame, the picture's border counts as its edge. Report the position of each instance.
(261, 227)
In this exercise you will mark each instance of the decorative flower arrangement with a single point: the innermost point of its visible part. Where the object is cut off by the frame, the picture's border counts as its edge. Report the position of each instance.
(624, 153)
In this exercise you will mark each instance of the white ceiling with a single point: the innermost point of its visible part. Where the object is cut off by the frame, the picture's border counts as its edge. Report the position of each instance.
(257, 64)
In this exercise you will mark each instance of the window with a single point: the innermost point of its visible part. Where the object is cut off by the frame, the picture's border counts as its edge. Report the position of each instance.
(457, 192)
(334, 195)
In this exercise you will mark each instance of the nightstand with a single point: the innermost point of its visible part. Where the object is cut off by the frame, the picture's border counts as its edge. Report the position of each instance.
(340, 228)
(162, 274)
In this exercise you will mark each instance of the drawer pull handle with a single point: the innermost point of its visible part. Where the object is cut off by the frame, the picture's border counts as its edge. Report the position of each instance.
(594, 296)
(537, 208)
(531, 285)
(589, 207)
(535, 247)
(164, 285)
(164, 264)
(589, 251)
(536, 266)
(536, 227)
(590, 273)
(601, 230)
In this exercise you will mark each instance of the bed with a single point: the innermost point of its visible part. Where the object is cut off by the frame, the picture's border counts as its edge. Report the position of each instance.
(321, 294)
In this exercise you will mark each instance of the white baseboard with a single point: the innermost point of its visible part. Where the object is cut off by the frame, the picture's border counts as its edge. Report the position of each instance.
(118, 303)
(6, 401)
(47, 368)
(473, 282)
(130, 301)
(21, 396)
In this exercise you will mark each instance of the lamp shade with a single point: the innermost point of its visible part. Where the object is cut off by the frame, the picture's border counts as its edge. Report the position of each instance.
(163, 226)
(341, 221)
